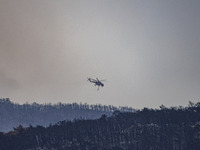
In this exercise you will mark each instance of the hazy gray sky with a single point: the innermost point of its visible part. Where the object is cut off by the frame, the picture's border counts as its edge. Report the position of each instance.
(148, 50)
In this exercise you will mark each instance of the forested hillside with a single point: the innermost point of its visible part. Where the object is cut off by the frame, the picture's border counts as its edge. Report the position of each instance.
(12, 114)
(174, 128)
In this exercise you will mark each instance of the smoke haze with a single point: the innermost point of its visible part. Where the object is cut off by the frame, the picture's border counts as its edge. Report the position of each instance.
(147, 50)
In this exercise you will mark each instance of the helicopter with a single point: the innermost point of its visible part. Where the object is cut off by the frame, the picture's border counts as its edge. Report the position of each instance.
(96, 82)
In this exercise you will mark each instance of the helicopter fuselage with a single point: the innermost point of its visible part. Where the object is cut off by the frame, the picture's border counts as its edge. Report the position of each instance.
(96, 82)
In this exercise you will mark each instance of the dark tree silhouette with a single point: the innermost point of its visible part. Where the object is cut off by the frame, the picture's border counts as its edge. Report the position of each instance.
(12, 114)
(175, 128)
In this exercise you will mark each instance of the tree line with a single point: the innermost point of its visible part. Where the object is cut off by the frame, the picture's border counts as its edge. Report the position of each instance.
(13, 114)
(174, 128)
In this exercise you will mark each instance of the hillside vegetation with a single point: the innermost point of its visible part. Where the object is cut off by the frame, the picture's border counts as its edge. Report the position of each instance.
(13, 115)
(174, 128)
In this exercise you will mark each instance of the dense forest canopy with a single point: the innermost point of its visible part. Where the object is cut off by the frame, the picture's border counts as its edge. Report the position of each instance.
(175, 128)
(13, 114)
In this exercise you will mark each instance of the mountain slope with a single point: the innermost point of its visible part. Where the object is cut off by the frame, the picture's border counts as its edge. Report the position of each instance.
(12, 115)
(148, 129)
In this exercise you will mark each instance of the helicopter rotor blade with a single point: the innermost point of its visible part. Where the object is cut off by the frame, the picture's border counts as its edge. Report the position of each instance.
(102, 80)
